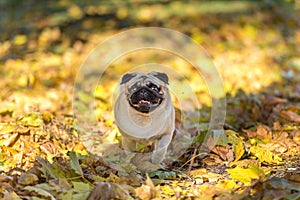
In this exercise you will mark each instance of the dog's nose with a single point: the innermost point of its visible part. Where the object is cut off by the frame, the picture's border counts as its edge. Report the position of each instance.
(143, 92)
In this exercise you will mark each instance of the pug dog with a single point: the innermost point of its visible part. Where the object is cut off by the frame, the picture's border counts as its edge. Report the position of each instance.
(144, 113)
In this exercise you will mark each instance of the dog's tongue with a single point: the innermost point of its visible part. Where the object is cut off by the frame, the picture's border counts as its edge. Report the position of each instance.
(144, 101)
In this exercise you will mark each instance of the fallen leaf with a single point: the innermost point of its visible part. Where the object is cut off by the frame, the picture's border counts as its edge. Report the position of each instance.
(81, 186)
(146, 192)
(75, 163)
(245, 163)
(212, 160)
(20, 39)
(265, 155)
(28, 179)
(163, 174)
(290, 115)
(198, 172)
(41, 191)
(262, 132)
(238, 151)
(53, 170)
(49, 148)
(11, 140)
(11, 196)
(232, 136)
(33, 119)
(166, 189)
(227, 184)
(225, 152)
(246, 175)
(47, 117)
(270, 100)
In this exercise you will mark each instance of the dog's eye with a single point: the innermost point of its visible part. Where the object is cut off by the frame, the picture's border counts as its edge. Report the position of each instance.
(135, 86)
(153, 87)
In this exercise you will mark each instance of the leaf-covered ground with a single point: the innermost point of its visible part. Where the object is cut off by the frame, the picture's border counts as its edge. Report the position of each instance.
(255, 46)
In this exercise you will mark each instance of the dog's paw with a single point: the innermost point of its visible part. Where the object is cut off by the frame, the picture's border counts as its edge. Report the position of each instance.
(143, 162)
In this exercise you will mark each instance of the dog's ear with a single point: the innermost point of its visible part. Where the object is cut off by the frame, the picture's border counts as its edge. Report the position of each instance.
(127, 77)
(161, 76)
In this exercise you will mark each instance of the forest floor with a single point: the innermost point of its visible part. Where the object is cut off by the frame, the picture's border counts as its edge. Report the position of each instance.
(254, 45)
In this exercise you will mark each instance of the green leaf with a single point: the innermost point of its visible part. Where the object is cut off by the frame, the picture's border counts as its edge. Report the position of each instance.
(233, 137)
(68, 195)
(141, 147)
(163, 174)
(53, 170)
(75, 163)
(81, 187)
(80, 196)
(40, 191)
(36, 198)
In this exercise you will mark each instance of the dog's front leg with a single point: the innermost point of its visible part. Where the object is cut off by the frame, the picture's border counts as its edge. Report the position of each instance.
(160, 148)
(128, 144)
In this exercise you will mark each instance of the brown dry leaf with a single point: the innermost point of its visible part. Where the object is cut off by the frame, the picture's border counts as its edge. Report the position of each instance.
(208, 177)
(278, 147)
(49, 148)
(296, 136)
(262, 132)
(277, 126)
(290, 115)
(4, 178)
(146, 192)
(225, 152)
(245, 163)
(272, 100)
(212, 160)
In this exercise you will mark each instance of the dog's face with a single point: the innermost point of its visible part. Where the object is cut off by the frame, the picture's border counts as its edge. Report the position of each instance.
(145, 92)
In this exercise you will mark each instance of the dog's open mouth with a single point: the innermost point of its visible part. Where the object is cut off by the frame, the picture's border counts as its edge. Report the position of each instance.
(145, 100)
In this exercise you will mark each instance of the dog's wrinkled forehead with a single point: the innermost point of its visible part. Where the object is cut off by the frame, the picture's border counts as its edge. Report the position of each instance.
(158, 76)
